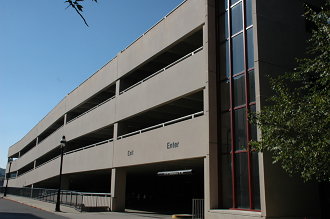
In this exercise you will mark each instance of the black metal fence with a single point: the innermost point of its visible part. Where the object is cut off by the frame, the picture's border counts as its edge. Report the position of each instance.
(82, 201)
(198, 209)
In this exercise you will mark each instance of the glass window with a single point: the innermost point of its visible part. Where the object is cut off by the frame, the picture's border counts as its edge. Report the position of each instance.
(253, 126)
(255, 178)
(226, 185)
(238, 54)
(241, 178)
(225, 133)
(248, 12)
(233, 1)
(225, 95)
(240, 129)
(239, 90)
(236, 63)
(224, 60)
(250, 52)
(252, 86)
(236, 19)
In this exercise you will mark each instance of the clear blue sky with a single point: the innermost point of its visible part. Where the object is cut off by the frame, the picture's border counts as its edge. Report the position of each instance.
(46, 51)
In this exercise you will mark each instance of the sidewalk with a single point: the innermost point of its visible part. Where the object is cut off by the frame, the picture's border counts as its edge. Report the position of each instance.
(74, 214)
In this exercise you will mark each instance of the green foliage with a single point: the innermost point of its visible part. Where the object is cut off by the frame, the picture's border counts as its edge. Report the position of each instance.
(295, 124)
(76, 4)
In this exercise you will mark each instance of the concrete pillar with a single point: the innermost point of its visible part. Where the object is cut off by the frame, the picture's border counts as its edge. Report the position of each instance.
(117, 88)
(31, 192)
(115, 131)
(211, 182)
(64, 119)
(34, 164)
(118, 189)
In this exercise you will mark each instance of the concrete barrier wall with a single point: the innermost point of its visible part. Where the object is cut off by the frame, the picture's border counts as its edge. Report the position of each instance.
(182, 140)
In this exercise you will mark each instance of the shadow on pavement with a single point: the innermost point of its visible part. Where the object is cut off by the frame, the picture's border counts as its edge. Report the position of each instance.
(6, 215)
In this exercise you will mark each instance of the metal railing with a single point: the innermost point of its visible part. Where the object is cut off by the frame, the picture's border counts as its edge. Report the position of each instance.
(122, 136)
(162, 124)
(96, 200)
(198, 209)
(82, 201)
(39, 142)
(69, 152)
(91, 109)
(163, 69)
(90, 146)
(48, 161)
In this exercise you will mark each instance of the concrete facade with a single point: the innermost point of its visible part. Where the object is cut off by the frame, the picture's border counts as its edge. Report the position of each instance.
(155, 106)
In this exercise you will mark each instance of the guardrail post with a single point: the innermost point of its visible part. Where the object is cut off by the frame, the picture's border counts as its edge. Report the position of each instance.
(31, 191)
(82, 202)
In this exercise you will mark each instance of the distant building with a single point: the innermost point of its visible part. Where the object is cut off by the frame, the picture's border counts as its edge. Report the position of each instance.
(165, 121)
(2, 180)
(2, 176)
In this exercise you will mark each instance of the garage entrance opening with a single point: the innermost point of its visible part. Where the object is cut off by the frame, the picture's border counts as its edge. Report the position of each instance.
(165, 187)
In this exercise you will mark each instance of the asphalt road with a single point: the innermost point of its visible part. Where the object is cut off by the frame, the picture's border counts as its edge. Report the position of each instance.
(13, 210)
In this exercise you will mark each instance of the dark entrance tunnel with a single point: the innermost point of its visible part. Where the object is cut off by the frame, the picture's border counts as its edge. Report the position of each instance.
(169, 193)
(94, 181)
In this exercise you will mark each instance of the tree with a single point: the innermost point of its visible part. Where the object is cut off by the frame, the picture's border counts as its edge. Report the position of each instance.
(76, 4)
(295, 122)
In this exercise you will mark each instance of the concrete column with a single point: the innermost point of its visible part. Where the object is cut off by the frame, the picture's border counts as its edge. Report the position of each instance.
(118, 189)
(37, 141)
(64, 119)
(117, 88)
(115, 131)
(34, 164)
(211, 182)
(31, 192)
(115, 135)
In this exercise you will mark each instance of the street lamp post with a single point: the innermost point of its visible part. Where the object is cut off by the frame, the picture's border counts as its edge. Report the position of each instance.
(62, 145)
(10, 160)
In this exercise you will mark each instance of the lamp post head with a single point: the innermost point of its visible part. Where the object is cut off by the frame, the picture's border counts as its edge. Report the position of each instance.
(10, 159)
(63, 142)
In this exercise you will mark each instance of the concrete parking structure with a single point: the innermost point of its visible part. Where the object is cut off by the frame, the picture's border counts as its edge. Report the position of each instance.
(165, 122)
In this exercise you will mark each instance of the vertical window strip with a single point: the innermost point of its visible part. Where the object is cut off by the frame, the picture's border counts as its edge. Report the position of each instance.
(247, 69)
(232, 121)
(247, 99)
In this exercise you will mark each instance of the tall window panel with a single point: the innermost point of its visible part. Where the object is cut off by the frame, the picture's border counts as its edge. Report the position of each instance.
(239, 168)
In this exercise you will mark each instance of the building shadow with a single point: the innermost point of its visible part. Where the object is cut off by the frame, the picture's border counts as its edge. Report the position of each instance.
(6, 215)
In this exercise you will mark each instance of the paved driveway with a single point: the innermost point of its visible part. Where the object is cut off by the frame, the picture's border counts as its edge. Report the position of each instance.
(15, 207)
(13, 210)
